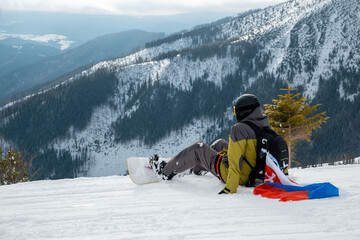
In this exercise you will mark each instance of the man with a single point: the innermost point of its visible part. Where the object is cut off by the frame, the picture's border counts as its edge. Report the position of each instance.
(229, 162)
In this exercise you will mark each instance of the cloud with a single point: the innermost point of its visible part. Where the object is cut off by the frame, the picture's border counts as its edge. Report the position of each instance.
(135, 7)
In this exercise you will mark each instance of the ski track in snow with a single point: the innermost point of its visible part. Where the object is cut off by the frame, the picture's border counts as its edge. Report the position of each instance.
(185, 208)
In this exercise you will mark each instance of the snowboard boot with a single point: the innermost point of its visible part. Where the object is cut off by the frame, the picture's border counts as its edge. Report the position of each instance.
(158, 166)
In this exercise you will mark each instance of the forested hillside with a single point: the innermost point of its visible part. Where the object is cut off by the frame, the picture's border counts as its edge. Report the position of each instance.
(180, 89)
(50, 115)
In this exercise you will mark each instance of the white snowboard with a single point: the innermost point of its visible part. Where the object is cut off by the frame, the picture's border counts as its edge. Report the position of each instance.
(140, 171)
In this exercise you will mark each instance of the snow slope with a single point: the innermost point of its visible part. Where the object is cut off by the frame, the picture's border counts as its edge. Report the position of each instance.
(185, 208)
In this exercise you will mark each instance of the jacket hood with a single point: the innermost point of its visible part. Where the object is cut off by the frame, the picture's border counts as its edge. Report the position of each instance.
(258, 118)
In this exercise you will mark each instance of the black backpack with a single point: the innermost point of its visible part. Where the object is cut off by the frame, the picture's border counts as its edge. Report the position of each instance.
(275, 144)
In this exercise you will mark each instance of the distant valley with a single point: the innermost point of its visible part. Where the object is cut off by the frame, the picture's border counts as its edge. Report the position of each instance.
(29, 78)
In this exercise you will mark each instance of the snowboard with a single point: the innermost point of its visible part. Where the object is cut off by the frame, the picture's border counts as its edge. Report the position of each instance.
(140, 171)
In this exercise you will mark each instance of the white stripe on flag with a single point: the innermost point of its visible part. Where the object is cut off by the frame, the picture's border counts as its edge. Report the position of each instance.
(273, 172)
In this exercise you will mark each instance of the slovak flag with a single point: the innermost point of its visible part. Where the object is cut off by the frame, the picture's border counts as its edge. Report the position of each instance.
(277, 185)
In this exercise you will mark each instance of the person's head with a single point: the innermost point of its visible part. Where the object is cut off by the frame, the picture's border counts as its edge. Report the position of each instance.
(244, 105)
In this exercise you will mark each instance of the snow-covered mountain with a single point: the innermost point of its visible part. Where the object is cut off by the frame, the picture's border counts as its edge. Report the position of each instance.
(305, 39)
(34, 75)
(184, 208)
(180, 89)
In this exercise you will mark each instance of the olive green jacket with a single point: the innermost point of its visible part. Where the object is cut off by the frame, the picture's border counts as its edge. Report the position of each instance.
(242, 144)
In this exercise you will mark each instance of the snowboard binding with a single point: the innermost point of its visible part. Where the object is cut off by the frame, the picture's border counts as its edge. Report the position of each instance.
(158, 166)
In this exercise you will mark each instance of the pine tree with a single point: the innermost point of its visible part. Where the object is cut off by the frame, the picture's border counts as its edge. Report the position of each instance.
(293, 118)
(13, 168)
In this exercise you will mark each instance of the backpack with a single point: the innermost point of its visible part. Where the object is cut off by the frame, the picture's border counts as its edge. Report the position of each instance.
(272, 142)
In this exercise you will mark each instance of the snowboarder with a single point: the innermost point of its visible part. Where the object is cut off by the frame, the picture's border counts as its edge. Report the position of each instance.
(227, 161)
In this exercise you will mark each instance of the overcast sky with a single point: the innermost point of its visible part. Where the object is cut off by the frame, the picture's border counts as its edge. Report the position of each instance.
(135, 7)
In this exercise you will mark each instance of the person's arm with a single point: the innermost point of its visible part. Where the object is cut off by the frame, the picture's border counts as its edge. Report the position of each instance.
(236, 151)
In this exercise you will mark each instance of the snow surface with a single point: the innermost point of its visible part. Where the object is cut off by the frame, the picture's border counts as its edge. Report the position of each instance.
(185, 208)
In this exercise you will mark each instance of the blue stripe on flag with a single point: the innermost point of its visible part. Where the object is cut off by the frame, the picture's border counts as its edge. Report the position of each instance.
(316, 190)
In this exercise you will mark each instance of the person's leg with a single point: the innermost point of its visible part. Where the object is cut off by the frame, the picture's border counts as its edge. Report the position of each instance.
(199, 170)
(219, 145)
(197, 154)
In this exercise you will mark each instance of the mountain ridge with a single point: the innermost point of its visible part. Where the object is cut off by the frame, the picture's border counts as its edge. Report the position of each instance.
(17, 55)
(192, 78)
(98, 49)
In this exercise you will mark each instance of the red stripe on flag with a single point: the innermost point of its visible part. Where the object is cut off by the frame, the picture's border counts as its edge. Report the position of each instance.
(269, 191)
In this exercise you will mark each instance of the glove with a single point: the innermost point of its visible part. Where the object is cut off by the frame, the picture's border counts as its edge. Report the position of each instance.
(222, 192)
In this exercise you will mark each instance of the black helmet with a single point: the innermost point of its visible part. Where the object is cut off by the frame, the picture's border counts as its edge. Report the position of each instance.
(244, 105)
